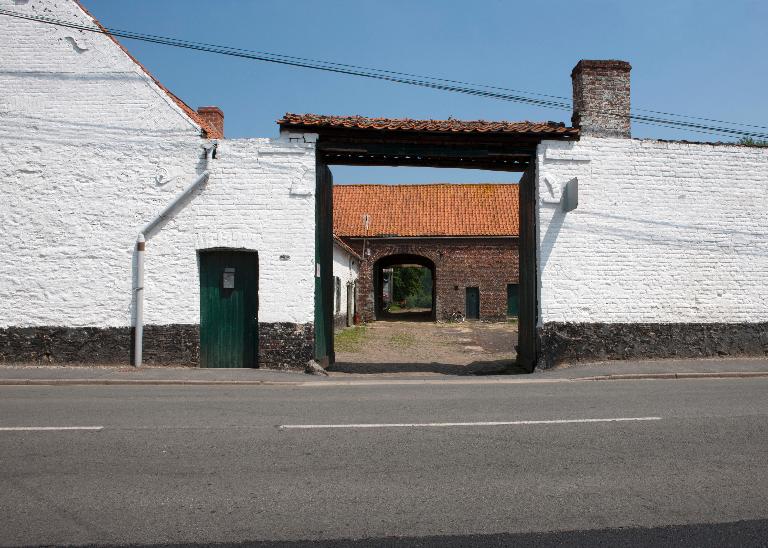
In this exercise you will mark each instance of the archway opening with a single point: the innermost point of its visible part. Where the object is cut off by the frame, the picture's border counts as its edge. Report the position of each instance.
(404, 288)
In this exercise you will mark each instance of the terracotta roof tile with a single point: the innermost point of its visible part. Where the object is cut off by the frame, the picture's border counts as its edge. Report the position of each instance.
(426, 210)
(444, 126)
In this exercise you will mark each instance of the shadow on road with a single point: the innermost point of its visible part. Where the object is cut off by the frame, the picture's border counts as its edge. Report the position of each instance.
(741, 533)
(491, 367)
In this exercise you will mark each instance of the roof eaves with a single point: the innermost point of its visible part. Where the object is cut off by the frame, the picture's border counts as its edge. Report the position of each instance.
(346, 248)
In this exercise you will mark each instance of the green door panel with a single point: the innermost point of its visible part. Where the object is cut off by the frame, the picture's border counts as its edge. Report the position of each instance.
(229, 305)
(513, 301)
(324, 286)
(473, 303)
(527, 347)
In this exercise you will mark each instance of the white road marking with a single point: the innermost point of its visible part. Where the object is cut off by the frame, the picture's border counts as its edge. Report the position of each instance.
(443, 424)
(46, 428)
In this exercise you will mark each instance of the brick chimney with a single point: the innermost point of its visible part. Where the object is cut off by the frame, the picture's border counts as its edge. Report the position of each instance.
(214, 117)
(601, 98)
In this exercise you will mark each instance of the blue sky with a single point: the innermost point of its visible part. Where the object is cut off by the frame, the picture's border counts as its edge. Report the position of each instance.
(705, 58)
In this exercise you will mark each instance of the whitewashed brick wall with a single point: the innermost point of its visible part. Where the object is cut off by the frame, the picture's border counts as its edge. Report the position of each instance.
(346, 268)
(664, 232)
(91, 150)
(260, 196)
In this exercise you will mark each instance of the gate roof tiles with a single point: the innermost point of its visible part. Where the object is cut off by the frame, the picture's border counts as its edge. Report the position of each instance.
(443, 126)
(426, 210)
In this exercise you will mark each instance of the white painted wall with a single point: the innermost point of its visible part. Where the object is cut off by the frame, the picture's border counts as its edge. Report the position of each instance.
(90, 150)
(664, 232)
(260, 196)
(345, 267)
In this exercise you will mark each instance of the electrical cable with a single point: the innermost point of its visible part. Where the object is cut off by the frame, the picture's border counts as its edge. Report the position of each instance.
(441, 84)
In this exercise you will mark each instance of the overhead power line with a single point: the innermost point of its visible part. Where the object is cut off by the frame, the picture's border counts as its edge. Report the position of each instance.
(455, 86)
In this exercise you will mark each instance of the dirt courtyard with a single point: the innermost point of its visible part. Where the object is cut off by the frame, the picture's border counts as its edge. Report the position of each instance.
(412, 347)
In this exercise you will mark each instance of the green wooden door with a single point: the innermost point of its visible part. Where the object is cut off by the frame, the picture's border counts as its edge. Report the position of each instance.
(513, 301)
(473, 303)
(229, 305)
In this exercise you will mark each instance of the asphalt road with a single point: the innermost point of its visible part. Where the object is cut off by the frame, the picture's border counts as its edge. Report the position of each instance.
(210, 465)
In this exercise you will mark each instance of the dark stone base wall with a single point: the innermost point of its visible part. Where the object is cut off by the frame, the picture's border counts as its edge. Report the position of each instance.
(57, 345)
(281, 345)
(163, 345)
(568, 342)
(175, 344)
(286, 345)
(488, 263)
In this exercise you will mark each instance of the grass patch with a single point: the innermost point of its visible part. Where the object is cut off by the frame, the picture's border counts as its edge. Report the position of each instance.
(402, 340)
(349, 339)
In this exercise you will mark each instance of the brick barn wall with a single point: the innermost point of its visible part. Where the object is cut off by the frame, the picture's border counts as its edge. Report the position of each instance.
(487, 263)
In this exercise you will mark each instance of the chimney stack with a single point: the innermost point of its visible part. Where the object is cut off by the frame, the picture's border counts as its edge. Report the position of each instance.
(214, 117)
(601, 98)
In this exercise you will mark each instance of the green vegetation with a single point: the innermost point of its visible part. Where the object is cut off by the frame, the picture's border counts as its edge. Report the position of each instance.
(412, 287)
(350, 339)
(750, 142)
(402, 340)
(406, 281)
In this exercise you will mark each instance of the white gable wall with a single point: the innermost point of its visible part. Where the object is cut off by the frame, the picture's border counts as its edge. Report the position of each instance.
(60, 83)
(91, 150)
(664, 232)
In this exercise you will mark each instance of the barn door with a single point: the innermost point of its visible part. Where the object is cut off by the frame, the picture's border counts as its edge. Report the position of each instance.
(513, 302)
(473, 303)
(229, 306)
(527, 298)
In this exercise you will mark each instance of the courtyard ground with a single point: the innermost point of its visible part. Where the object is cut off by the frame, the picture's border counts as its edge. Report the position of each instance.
(408, 347)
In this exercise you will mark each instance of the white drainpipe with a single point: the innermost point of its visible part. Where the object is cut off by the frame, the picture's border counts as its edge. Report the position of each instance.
(144, 235)
(138, 333)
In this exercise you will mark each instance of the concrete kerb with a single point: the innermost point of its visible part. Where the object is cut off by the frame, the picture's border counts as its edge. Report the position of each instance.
(374, 382)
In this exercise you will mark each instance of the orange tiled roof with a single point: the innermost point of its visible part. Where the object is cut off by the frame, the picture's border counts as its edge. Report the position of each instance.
(445, 126)
(210, 131)
(426, 210)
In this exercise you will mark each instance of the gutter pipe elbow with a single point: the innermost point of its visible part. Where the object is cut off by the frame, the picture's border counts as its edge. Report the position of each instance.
(144, 235)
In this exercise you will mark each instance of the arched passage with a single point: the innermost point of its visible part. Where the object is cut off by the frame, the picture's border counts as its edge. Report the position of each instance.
(497, 146)
(384, 269)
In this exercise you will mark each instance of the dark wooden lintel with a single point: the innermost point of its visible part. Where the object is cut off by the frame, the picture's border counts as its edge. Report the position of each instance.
(434, 151)
(470, 139)
(500, 164)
